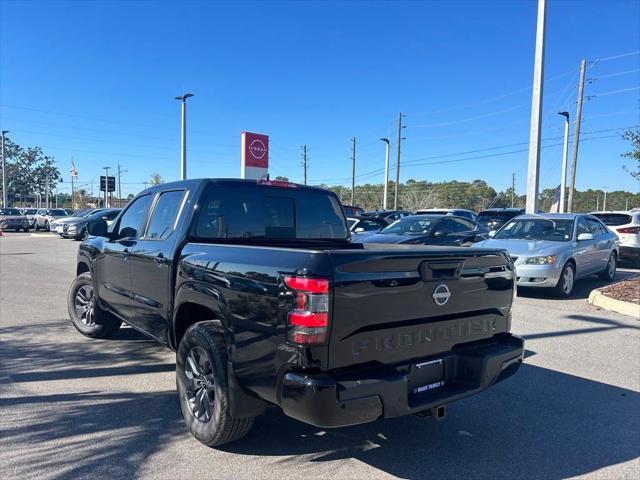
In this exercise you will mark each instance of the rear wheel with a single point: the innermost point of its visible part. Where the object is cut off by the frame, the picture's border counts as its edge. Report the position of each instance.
(46, 226)
(609, 272)
(564, 288)
(203, 390)
(87, 317)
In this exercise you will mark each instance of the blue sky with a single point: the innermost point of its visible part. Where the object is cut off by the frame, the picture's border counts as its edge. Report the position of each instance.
(96, 81)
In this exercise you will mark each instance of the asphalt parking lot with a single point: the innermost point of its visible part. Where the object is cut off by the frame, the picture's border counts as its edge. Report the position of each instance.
(72, 407)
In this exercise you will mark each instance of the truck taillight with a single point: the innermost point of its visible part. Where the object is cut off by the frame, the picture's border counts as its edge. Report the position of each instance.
(629, 229)
(309, 320)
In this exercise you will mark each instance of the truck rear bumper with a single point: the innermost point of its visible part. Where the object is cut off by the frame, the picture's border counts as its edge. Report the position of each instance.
(385, 392)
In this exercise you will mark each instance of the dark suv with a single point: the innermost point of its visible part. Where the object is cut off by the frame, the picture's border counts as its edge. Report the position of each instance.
(494, 218)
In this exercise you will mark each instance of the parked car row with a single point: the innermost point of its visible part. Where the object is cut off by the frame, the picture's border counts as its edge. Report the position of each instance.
(62, 221)
(548, 250)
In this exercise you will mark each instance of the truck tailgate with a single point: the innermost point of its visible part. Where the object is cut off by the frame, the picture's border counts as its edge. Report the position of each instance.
(393, 304)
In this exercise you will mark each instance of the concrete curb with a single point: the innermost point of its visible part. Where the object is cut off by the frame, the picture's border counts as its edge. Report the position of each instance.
(598, 299)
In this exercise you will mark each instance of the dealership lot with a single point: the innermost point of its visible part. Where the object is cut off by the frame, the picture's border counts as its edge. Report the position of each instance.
(72, 407)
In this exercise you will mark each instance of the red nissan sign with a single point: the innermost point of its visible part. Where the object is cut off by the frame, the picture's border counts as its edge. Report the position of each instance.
(254, 155)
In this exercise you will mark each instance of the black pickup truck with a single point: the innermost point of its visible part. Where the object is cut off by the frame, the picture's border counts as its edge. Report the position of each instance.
(258, 289)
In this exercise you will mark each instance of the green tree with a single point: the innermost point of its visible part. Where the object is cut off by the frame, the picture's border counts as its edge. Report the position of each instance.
(29, 170)
(156, 179)
(633, 136)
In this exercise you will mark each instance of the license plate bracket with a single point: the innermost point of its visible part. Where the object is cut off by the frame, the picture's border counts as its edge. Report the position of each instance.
(427, 376)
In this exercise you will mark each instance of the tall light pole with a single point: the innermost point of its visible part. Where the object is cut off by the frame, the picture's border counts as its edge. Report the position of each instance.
(565, 151)
(604, 202)
(397, 185)
(106, 187)
(536, 113)
(183, 143)
(386, 174)
(5, 194)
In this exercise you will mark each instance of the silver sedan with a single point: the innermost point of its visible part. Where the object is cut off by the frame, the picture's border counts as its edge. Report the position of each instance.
(554, 250)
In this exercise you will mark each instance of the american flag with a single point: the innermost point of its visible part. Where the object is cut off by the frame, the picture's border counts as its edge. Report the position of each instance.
(74, 172)
(555, 204)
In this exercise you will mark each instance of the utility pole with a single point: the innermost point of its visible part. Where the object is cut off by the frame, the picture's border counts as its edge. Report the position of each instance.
(576, 135)
(5, 193)
(565, 151)
(385, 190)
(513, 189)
(46, 190)
(145, 184)
(106, 187)
(395, 194)
(626, 205)
(183, 142)
(604, 202)
(536, 113)
(353, 171)
(120, 172)
(73, 196)
(304, 162)
(598, 203)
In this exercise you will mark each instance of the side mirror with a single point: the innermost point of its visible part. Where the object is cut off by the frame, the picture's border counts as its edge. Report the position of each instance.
(98, 228)
(440, 233)
(585, 236)
(492, 233)
(359, 230)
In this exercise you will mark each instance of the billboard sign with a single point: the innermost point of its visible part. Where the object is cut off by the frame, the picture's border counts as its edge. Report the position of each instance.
(254, 155)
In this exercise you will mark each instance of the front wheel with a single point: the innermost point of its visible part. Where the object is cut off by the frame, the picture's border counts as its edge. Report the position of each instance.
(564, 288)
(203, 390)
(46, 227)
(86, 316)
(609, 271)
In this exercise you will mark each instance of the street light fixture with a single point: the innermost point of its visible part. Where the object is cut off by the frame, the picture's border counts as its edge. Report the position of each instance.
(183, 149)
(5, 194)
(386, 174)
(565, 150)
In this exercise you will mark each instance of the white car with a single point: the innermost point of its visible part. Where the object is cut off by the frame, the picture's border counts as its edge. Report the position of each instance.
(627, 226)
(44, 217)
(458, 212)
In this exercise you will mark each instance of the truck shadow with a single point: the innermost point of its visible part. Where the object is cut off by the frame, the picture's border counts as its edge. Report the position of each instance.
(538, 424)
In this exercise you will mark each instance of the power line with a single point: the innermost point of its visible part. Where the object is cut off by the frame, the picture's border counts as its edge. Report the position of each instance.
(470, 119)
(615, 74)
(118, 122)
(112, 142)
(614, 57)
(490, 99)
(112, 132)
(612, 92)
(480, 150)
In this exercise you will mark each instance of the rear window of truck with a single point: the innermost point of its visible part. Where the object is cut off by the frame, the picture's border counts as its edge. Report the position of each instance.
(246, 211)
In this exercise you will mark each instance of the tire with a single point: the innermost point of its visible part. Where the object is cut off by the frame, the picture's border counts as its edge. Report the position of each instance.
(36, 227)
(46, 226)
(86, 316)
(203, 390)
(565, 285)
(609, 271)
(25, 229)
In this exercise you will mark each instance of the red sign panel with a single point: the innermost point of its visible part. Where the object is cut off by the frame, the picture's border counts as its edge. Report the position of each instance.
(255, 150)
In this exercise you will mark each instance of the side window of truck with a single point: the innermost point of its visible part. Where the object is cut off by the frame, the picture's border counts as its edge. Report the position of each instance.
(164, 215)
(133, 218)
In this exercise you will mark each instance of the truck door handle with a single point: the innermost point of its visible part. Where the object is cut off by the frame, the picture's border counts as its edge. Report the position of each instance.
(160, 259)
